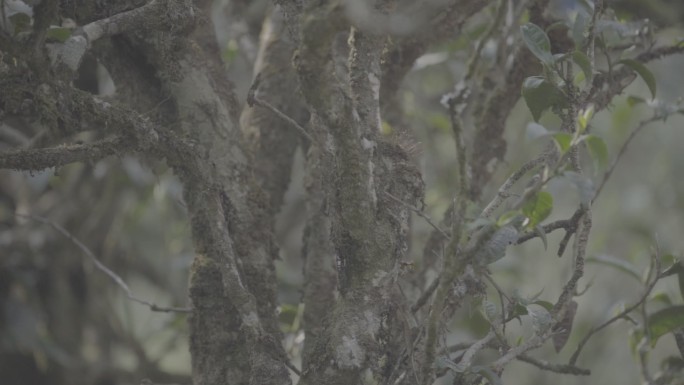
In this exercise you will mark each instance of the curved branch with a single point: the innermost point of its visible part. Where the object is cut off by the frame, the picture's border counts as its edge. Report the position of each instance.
(100, 266)
(644, 297)
(551, 367)
(42, 158)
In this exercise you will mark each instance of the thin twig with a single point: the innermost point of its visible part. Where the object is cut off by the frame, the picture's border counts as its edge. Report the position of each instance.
(557, 368)
(457, 347)
(480, 344)
(426, 295)
(644, 296)
(292, 367)
(533, 343)
(502, 295)
(420, 213)
(622, 151)
(503, 193)
(569, 225)
(580, 250)
(643, 349)
(117, 279)
(253, 99)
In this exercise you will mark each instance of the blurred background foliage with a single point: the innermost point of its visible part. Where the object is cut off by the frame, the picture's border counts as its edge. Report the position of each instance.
(62, 321)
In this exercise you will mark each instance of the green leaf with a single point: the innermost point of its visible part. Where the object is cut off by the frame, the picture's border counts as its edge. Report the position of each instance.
(668, 260)
(545, 304)
(584, 117)
(558, 57)
(563, 141)
(59, 34)
(20, 21)
(618, 263)
(579, 28)
(540, 95)
(619, 309)
(588, 6)
(563, 328)
(676, 268)
(635, 337)
(537, 41)
(439, 121)
(664, 321)
(538, 208)
(661, 297)
(598, 151)
(288, 313)
(519, 310)
(584, 64)
(479, 222)
(634, 100)
(230, 52)
(644, 72)
(559, 25)
(507, 218)
(386, 128)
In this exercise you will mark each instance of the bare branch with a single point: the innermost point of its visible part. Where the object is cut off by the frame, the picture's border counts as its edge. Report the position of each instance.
(644, 297)
(252, 100)
(565, 224)
(480, 344)
(100, 266)
(42, 158)
(557, 368)
(533, 343)
(503, 192)
(426, 295)
(420, 213)
(622, 151)
(580, 249)
(621, 78)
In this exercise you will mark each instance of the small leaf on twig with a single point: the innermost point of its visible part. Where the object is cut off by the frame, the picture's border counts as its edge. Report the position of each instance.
(541, 95)
(664, 321)
(538, 208)
(598, 151)
(584, 63)
(644, 72)
(564, 327)
(537, 41)
(617, 263)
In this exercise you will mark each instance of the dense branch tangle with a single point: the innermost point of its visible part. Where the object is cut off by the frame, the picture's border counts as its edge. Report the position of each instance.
(363, 185)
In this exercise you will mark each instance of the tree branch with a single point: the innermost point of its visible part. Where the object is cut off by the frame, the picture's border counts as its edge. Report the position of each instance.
(551, 367)
(100, 266)
(644, 297)
(42, 158)
(252, 100)
(621, 152)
